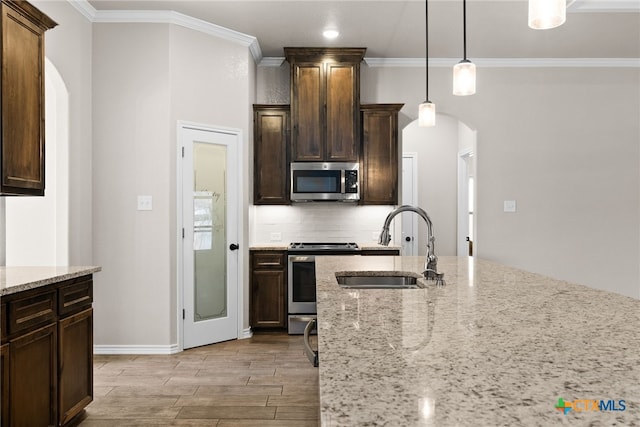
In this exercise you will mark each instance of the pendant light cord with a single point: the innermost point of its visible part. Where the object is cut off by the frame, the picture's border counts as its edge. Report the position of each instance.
(426, 40)
(464, 28)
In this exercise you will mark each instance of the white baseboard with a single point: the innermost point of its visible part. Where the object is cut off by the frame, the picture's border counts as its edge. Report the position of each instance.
(136, 349)
(150, 349)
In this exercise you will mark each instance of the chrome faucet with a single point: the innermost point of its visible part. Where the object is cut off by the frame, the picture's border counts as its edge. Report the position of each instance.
(431, 262)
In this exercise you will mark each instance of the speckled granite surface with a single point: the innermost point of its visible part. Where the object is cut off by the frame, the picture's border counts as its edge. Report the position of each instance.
(18, 279)
(496, 346)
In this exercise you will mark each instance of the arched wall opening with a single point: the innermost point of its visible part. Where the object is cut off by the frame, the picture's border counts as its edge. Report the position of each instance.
(438, 178)
(37, 228)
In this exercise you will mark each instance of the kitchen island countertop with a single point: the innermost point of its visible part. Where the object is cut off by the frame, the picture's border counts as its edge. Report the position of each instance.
(18, 279)
(496, 346)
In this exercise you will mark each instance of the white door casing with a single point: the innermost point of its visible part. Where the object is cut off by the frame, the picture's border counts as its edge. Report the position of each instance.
(465, 171)
(222, 299)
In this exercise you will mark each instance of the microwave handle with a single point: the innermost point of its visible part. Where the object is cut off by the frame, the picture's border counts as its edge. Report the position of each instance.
(311, 354)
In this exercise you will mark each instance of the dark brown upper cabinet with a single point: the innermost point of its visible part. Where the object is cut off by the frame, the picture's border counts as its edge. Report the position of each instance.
(22, 91)
(270, 147)
(380, 154)
(325, 103)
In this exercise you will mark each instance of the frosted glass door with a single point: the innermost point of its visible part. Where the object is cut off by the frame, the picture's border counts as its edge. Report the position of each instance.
(209, 231)
(209, 262)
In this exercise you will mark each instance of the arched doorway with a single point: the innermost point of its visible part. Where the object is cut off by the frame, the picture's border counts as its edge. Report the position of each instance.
(37, 228)
(438, 151)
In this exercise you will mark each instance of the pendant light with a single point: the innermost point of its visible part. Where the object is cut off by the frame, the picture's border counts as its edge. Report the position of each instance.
(545, 14)
(464, 72)
(427, 110)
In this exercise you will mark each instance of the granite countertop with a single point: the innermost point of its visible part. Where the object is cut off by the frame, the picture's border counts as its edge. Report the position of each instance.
(18, 279)
(496, 346)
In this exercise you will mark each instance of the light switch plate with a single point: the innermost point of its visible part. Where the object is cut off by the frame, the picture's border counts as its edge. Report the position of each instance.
(145, 203)
(509, 205)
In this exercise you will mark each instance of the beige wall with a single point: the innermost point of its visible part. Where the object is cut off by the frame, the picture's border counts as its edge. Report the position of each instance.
(562, 142)
(574, 174)
(68, 47)
(146, 78)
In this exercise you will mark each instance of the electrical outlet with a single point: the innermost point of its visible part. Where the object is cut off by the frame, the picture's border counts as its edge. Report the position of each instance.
(145, 203)
(275, 237)
(509, 206)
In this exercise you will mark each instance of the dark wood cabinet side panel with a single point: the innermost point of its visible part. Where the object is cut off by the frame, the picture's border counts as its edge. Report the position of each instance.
(75, 355)
(33, 378)
(343, 108)
(307, 114)
(4, 384)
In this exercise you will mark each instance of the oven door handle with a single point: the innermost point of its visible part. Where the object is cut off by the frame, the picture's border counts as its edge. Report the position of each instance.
(301, 258)
(311, 354)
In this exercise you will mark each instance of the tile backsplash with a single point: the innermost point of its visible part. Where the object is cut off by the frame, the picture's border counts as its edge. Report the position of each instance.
(318, 222)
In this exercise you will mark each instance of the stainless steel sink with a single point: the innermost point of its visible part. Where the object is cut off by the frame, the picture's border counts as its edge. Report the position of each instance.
(379, 282)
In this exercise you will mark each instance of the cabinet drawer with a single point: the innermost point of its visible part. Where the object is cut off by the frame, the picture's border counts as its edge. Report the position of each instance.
(32, 311)
(268, 260)
(75, 297)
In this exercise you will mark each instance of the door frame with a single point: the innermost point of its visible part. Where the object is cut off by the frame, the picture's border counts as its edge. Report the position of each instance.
(180, 138)
(463, 203)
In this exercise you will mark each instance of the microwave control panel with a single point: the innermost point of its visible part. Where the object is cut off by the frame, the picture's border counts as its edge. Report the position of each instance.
(351, 181)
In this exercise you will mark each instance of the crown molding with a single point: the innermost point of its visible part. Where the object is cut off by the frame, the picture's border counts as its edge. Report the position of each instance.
(604, 6)
(506, 62)
(488, 62)
(168, 17)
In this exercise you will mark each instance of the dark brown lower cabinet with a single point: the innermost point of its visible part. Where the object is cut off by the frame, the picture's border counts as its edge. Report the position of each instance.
(75, 350)
(268, 307)
(47, 354)
(33, 373)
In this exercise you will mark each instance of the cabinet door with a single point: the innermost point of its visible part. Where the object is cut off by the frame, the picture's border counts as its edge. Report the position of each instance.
(380, 154)
(271, 139)
(75, 356)
(268, 299)
(22, 100)
(268, 303)
(307, 112)
(33, 373)
(342, 114)
(4, 383)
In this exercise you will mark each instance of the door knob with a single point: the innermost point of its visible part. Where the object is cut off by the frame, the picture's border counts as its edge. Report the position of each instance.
(234, 247)
(407, 239)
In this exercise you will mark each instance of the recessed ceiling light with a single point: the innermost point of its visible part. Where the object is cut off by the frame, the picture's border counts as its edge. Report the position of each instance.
(330, 34)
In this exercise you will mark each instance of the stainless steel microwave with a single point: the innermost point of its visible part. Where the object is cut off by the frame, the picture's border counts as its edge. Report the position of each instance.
(325, 181)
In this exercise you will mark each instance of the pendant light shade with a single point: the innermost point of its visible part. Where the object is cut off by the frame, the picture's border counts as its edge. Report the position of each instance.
(464, 78)
(427, 114)
(427, 110)
(545, 14)
(464, 72)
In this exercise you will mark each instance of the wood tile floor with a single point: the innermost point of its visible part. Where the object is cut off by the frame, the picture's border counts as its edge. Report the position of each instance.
(262, 381)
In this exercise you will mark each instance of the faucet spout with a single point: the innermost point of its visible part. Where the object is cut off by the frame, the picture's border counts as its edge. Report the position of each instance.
(431, 261)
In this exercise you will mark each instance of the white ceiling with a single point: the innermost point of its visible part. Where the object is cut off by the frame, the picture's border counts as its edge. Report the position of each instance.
(396, 28)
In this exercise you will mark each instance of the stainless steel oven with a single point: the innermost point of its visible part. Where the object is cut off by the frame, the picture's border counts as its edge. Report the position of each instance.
(302, 279)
